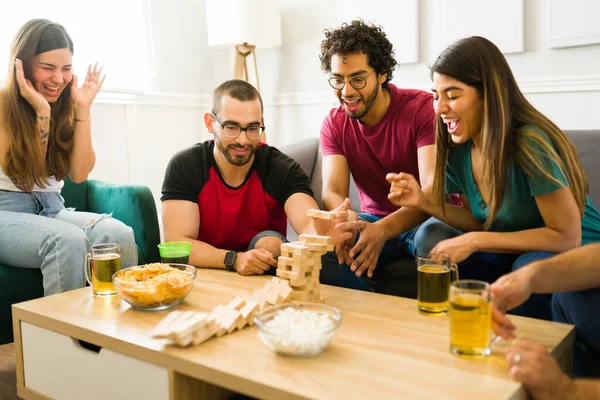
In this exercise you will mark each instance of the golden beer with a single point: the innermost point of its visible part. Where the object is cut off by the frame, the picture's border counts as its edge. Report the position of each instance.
(470, 325)
(103, 268)
(433, 284)
(101, 263)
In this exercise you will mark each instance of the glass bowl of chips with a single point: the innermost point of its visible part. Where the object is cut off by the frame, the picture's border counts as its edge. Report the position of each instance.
(156, 286)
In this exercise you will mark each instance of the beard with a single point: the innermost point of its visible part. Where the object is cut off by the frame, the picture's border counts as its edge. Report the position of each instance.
(236, 159)
(368, 103)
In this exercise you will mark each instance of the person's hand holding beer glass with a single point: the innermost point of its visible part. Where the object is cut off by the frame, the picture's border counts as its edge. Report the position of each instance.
(509, 291)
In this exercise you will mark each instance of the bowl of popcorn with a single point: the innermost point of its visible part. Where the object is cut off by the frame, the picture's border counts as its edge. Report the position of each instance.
(156, 286)
(298, 329)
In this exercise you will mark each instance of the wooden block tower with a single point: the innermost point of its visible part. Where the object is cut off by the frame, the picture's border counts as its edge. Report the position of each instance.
(300, 263)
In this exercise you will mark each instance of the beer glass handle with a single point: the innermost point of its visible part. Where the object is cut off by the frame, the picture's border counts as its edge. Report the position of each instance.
(454, 271)
(88, 268)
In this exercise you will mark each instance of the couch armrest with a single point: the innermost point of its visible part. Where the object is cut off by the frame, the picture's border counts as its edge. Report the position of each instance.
(134, 206)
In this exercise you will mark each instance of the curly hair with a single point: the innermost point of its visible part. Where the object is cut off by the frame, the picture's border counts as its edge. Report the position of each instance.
(360, 37)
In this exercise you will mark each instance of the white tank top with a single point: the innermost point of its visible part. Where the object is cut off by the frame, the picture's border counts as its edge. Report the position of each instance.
(7, 184)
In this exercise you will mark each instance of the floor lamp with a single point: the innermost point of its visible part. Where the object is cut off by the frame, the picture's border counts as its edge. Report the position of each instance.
(250, 24)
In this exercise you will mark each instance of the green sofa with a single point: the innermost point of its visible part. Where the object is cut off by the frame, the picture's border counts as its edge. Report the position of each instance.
(131, 204)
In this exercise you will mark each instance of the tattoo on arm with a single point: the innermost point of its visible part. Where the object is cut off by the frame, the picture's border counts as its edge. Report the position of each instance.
(44, 127)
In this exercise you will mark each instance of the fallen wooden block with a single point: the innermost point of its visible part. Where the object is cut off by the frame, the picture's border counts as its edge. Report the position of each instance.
(313, 213)
(163, 328)
(237, 303)
(182, 329)
(226, 318)
(249, 310)
(205, 333)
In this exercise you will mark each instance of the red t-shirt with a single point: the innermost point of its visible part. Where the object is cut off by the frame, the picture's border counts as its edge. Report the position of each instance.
(230, 217)
(388, 146)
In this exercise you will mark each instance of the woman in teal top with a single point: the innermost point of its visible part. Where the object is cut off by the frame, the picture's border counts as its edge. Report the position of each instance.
(519, 177)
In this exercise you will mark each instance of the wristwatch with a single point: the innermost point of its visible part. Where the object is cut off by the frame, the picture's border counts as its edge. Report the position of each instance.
(230, 260)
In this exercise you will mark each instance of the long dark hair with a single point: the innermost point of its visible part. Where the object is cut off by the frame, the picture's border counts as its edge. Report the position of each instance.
(477, 62)
(25, 161)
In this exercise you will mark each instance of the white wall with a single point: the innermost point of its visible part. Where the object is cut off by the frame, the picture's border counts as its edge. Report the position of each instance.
(135, 135)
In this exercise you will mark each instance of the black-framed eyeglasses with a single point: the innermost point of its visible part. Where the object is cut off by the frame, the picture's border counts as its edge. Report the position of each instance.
(358, 82)
(233, 130)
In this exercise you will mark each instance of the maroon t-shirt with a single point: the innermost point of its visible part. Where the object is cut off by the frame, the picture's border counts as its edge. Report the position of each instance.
(388, 146)
(230, 217)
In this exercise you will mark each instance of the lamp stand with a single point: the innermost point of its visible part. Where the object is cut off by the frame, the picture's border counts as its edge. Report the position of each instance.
(240, 70)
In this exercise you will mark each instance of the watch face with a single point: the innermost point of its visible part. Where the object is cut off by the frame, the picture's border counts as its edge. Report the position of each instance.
(230, 259)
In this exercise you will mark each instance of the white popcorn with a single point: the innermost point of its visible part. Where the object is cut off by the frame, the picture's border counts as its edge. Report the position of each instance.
(298, 332)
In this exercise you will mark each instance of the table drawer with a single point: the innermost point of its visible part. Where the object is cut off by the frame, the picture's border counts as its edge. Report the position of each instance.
(59, 367)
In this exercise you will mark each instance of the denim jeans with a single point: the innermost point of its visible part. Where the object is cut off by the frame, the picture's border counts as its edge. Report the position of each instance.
(419, 240)
(581, 310)
(36, 231)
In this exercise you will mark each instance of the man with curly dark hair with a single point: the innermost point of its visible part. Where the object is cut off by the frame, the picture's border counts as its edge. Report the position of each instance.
(378, 128)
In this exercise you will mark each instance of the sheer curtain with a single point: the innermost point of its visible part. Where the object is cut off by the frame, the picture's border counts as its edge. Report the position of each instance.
(115, 33)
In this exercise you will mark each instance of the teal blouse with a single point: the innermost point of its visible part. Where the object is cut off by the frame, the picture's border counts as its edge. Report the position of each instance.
(519, 210)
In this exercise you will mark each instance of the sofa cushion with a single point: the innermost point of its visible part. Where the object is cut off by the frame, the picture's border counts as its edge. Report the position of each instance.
(588, 146)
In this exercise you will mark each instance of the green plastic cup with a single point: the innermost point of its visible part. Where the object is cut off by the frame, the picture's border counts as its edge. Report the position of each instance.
(175, 252)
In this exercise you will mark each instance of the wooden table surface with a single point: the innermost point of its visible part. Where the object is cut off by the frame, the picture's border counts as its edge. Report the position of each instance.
(383, 349)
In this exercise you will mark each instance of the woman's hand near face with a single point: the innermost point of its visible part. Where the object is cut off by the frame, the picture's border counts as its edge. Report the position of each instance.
(33, 97)
(84, 96)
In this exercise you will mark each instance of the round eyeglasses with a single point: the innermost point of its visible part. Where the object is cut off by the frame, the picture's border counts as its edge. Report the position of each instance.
(233, 130)
(357, 82)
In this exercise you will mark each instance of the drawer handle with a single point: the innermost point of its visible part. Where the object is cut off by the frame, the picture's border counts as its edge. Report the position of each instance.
(87, 345)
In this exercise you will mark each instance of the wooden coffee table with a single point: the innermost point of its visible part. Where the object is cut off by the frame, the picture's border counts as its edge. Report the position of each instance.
(75, 345)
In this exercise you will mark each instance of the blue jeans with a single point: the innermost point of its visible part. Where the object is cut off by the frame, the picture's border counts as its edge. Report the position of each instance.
(36, 231)
(419, 240)
(581, 310)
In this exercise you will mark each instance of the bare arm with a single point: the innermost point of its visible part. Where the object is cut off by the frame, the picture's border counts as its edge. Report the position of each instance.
(560, 233)
(336, 181)
(296, 207)
(83, 156)
(181, 221)
(571, 271)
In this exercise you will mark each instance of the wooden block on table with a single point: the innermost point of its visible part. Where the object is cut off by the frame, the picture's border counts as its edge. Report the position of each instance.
(248, 311)
(205, 333)
(285, 294)
(164, 327)
(320, 214)
(226, 318)
(297, 279)
(237, 303)
(182, 329)
(273, 294)
(320, 239)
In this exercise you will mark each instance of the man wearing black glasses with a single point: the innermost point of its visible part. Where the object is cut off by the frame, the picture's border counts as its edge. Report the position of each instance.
(377, 129)
(231, 197)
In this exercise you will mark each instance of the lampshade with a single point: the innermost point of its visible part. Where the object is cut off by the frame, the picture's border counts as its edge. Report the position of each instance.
(256, 22)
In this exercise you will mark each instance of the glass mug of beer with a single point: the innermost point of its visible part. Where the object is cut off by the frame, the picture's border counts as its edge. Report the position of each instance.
(100, 265)
(471, 319)
(435, 272)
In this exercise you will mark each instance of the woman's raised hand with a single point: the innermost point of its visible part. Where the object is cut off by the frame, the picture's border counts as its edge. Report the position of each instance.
(84, 96)
(33, 97)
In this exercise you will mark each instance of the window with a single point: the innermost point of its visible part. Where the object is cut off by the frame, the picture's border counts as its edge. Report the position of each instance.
(115, 33)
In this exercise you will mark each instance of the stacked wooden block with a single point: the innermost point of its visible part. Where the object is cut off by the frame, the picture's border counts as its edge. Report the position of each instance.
(300, 263)
(186, 328)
